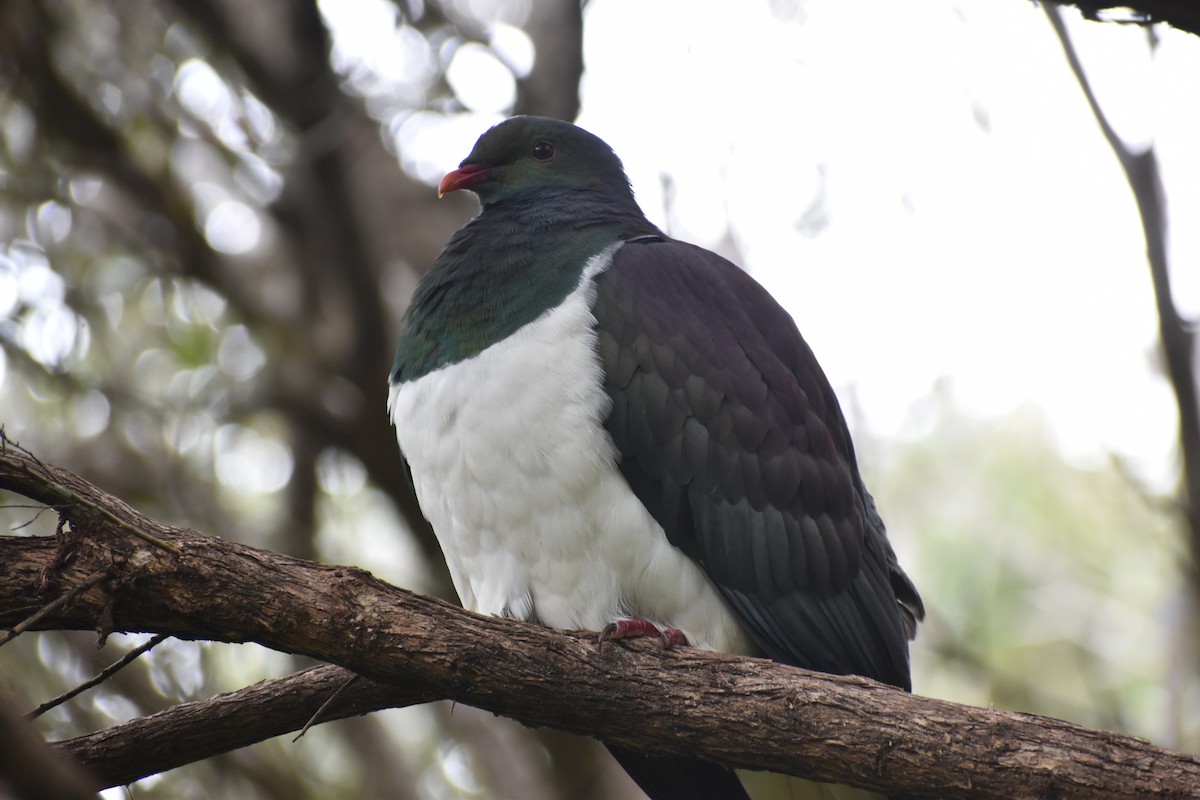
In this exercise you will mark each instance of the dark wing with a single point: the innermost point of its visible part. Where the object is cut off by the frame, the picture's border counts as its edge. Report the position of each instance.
(730, 433)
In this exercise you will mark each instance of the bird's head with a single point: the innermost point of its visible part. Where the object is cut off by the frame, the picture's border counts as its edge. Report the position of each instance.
(531, 154)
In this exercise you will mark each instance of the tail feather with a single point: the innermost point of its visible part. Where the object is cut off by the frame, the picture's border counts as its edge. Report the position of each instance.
(672, 778)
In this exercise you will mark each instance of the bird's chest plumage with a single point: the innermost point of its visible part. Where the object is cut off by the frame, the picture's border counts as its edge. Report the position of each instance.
(514, 470)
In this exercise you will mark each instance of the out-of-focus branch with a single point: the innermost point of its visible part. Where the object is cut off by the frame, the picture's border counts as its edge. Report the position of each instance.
(349, 213)
(28, 768)
(551, 89)
(64, 116)
(341, 198)
(1177, 334)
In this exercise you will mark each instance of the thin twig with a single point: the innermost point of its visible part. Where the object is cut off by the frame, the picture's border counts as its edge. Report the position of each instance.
(105, 674)
(54, 604)
(40, 510)
(78, 500)
(1110, 135)
(315, 718)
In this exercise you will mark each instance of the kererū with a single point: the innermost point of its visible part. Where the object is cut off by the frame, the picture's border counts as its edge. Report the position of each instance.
(613, 430)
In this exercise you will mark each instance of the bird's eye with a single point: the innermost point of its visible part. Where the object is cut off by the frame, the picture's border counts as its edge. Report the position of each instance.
(543, 151)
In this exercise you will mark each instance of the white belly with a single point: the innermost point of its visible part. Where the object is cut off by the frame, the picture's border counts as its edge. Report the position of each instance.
(515, 472)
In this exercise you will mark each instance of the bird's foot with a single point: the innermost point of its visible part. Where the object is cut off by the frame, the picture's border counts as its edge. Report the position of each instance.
(639, 628)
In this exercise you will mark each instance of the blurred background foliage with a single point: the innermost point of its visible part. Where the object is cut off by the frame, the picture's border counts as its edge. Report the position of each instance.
(211, 216)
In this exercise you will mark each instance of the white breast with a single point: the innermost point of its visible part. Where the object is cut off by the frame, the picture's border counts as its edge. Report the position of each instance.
(515, 472)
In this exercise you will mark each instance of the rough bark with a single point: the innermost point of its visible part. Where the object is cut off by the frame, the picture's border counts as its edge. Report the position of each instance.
(189, 732)
(737, 711)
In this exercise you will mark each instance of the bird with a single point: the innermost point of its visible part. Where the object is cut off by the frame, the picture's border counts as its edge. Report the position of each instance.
(609, 429)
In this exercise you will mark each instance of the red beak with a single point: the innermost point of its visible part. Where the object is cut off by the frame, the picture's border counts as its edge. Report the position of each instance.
(464, 177)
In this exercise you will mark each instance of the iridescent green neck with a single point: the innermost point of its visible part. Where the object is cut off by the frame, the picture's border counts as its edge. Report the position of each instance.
(501, 271)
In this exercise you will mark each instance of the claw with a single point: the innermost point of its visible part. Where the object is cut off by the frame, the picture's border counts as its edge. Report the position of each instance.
(637, 628)
(670, 638)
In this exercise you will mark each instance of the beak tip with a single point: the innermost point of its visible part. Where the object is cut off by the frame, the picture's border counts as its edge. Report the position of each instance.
(464, 177)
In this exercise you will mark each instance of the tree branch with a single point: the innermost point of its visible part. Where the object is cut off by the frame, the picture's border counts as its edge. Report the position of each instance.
(193, 731)
(732, 710)
(1182, 14)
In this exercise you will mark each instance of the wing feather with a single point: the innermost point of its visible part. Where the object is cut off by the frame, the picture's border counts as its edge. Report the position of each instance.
(729, 432)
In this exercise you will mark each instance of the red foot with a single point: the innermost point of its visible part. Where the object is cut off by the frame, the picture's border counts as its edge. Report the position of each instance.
(637, 628)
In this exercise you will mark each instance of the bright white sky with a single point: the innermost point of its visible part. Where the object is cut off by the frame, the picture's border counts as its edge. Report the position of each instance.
(978, 227)
(975, 229)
